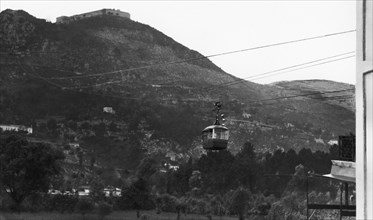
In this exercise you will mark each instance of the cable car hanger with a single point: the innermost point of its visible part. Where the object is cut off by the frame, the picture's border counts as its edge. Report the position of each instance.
(215, 137)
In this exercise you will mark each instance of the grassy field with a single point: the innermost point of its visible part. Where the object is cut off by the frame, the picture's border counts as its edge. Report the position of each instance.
(118, 215)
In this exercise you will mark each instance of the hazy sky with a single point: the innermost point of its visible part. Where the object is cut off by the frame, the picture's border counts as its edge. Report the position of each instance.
(212, 27)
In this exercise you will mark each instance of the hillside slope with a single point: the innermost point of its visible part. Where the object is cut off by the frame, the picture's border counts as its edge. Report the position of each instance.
(59, 77)
(310, 86)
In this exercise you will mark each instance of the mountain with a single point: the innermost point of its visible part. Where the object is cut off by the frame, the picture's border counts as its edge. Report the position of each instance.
(312, 86)
(60, 77)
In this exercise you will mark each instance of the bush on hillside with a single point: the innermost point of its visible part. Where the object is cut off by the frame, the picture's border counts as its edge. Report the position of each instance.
(104, 209)
(166, 202)
(83, 206)
(59, 203)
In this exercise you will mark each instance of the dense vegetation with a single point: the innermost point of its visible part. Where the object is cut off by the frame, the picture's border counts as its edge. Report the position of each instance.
(26, 168)
(218, 183)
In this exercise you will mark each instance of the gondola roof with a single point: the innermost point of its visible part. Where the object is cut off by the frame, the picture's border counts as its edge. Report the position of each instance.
(215, 126)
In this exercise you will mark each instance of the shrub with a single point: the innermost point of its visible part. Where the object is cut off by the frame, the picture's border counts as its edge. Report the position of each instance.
(33, 203)
(6, 203)
(197, 206)
(136, 196)
(145, 217)
(60, 203)
(83, 206)
(167, 202)
(104, 209)
(239, 202)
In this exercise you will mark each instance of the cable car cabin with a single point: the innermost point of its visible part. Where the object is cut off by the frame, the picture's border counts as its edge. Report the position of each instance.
(215, 137)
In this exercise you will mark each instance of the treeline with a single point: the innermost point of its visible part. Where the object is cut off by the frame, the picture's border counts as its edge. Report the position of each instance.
(265, 173)
(218, 183)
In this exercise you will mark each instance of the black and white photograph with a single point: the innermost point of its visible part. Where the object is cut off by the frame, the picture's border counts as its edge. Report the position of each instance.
(186, 110)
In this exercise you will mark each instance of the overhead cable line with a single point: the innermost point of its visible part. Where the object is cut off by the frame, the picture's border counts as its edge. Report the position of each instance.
(322, 98)
(257, 101)
(202, 57)
(81, 91)
(295, 96)
(40, 77)
(317, 64)
(134, 98)
(262, 100)
(291, 70)
(72, 88)
(263, 75)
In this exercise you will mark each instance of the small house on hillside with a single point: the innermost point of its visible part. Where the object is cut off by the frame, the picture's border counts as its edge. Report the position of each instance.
(109, 110)
(84, 190)
(74, 145)
(112, 192)
(16, 128)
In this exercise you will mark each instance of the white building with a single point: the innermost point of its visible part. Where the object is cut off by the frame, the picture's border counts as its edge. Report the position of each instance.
(364, 109)
(112, 12)
(16, 128)
(84, 190)
(112, 191)
(246, 115)
(74, 145)
(108, 110)
(333, 142)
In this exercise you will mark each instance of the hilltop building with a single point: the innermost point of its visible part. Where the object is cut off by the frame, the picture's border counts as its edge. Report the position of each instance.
(112, 12)
(16, 128)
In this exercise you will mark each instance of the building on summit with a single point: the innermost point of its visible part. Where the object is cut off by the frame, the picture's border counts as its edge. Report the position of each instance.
(113, 12)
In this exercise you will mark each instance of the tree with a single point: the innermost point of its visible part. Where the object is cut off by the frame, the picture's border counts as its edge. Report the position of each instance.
(72, 125)
(195, 180)
(216, 171)
(85, 126)
(97, 190)
(52, 124)
(84, 206)
(137, 196)
(247, 151)
(60, 203)
(100, 129)
(26, 167)
(246, 167)
(93, 161)
(104, 209)
(147, 167)
(305, 156)
(334, 152)
(80, 156)
(239, 202)
(298, 181)
(180, 206)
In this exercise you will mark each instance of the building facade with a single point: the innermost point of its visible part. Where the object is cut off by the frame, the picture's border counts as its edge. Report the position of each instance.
(16, 128)
(113, 12)
(364, 109)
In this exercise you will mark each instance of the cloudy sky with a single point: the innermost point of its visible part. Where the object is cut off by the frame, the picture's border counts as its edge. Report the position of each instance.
(214, 27)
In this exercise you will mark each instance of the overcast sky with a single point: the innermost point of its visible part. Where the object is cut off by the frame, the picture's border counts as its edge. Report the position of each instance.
(213, 27)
